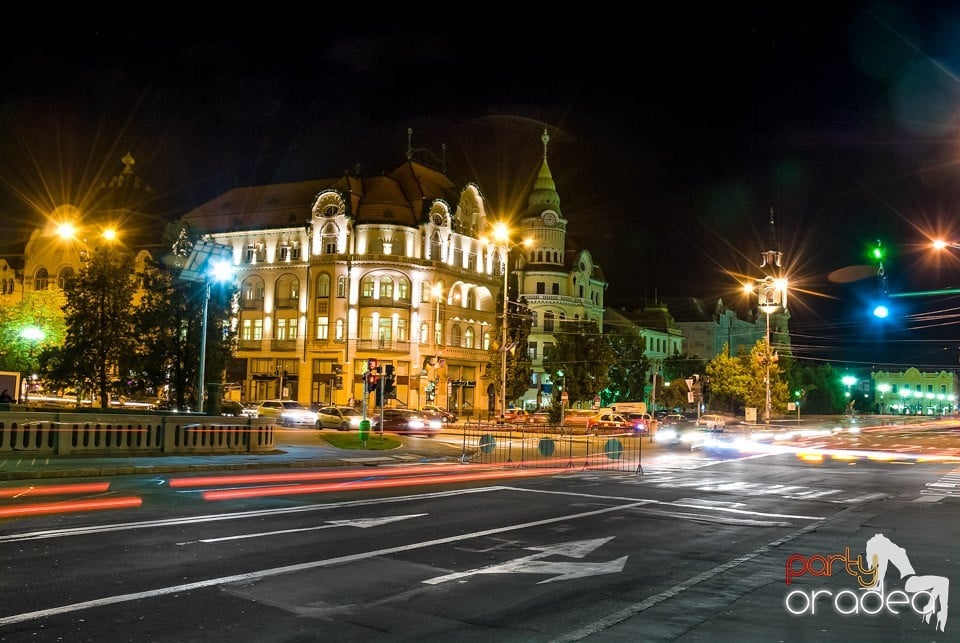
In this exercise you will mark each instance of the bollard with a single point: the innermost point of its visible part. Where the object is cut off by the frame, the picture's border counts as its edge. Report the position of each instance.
(364, 429)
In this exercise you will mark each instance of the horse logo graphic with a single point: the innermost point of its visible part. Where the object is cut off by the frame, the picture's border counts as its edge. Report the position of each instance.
(881, 552)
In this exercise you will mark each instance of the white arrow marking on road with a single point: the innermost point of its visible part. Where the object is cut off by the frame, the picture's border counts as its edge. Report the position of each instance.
(363, 523)
(534, 565)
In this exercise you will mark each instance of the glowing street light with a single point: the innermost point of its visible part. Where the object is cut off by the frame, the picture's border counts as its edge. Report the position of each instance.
(501, 234)
(771, 295)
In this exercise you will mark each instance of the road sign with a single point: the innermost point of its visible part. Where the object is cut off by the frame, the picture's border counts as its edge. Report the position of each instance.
(689, 382)
(564, 397)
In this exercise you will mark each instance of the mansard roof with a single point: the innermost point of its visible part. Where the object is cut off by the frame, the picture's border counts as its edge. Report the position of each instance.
(399, 197)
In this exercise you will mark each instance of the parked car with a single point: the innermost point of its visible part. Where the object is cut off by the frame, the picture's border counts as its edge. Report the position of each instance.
(447, 417)
(231, 408)
(250, 410)
(615, 422)
(288, 413)
(518, 416)
(407, 422)
(711, 422)
(342, 418)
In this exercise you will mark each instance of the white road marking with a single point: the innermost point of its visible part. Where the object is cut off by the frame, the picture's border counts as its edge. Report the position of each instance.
(362, 523)
(289, 569)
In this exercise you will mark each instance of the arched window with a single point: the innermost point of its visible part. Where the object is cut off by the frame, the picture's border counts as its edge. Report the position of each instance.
(435, 244)
(251, 293)
(425, 292)
(328, 239)
(323, 286)
(65, 275)
(41, 280)
(486, 340)
(386, 288)
(548, 322)
(455, 335)
(287, 291)
(468, 338)
(341, 286)
(424, 333)
(366, 286)
(403, 289)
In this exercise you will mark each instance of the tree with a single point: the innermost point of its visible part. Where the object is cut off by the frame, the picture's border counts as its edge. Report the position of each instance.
(585, 356)
(681, 366)
(673, 396)
(99, 320)
(628, 375)
(39, 310)
(730, 381)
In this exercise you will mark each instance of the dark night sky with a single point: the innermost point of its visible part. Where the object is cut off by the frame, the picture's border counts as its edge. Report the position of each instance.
(672, 137)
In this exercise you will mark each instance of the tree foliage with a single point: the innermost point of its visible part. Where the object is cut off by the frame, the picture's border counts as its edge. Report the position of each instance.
(628, 376)
(99, 318)
(38, 309)
(585, 356)
(519, 366)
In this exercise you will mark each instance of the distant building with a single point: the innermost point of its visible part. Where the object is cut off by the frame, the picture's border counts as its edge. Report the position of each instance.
(399, 268)
(914, 392)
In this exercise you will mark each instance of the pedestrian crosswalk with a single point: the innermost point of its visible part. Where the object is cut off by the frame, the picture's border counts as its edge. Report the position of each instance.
(947, 485)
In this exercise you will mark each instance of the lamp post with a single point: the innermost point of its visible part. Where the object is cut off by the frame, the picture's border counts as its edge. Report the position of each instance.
(33, 336)
(772, 294)
(501, 234)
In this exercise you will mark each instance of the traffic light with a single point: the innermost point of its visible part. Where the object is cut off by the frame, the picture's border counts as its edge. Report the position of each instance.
(373, 379)
(389, 382)
(877, 252)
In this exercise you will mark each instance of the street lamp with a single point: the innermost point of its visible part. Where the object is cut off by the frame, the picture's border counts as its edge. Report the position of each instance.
(208, 262)
(501, 234)
(772, 295)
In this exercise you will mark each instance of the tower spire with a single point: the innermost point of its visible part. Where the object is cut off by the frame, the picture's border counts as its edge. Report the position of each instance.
(772, 256)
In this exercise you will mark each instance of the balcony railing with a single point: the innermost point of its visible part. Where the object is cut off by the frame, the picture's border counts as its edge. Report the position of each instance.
(249, 344)
(286, 302)
(386, 345)
(251, 304)
(283, 344)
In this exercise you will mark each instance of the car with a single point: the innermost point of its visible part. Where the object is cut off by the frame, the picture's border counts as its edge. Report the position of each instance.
(250, 410)
(522, 416)
(711, 422)
(342, 418)
(640, 421)
(447, 417)
(615, 422)
(231, 408)
(406, 422)
(288, 413)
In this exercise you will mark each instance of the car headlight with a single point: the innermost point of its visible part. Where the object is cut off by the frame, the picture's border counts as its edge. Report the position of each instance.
(665, 434)
(355, 421)
(436, 425)
(415, 424)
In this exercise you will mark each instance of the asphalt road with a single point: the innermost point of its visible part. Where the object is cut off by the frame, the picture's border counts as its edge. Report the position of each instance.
(696, 548)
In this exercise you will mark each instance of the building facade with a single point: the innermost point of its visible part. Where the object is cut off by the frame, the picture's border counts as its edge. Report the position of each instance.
(915, 392)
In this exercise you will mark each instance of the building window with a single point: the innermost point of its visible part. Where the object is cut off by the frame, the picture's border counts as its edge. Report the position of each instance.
(251, 294)
(385, 333)
(548, 322)
(42, 280)
(541, 288)
(547, 348)
(401, 330)
(532, 350)
(286, 328)
(468, 338)
(340, 331)
(424, 333)
(366, 327)
(341, 286)
(534, 318)
(455, 336)
(323, 286)
(386, 288)
(403, 289)
(366, 287)
(486, 340)
(287, 292)
(323, 327)
(471, 300)
(555, 289)
(251, 330)
(425, 292)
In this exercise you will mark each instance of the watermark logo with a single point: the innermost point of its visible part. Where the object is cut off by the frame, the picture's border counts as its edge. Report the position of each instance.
(924, 595)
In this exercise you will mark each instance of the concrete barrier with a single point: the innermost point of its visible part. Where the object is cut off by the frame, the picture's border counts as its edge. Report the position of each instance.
(50, 433)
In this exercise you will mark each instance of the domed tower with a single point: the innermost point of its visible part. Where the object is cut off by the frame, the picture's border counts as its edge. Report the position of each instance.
(560, 283)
